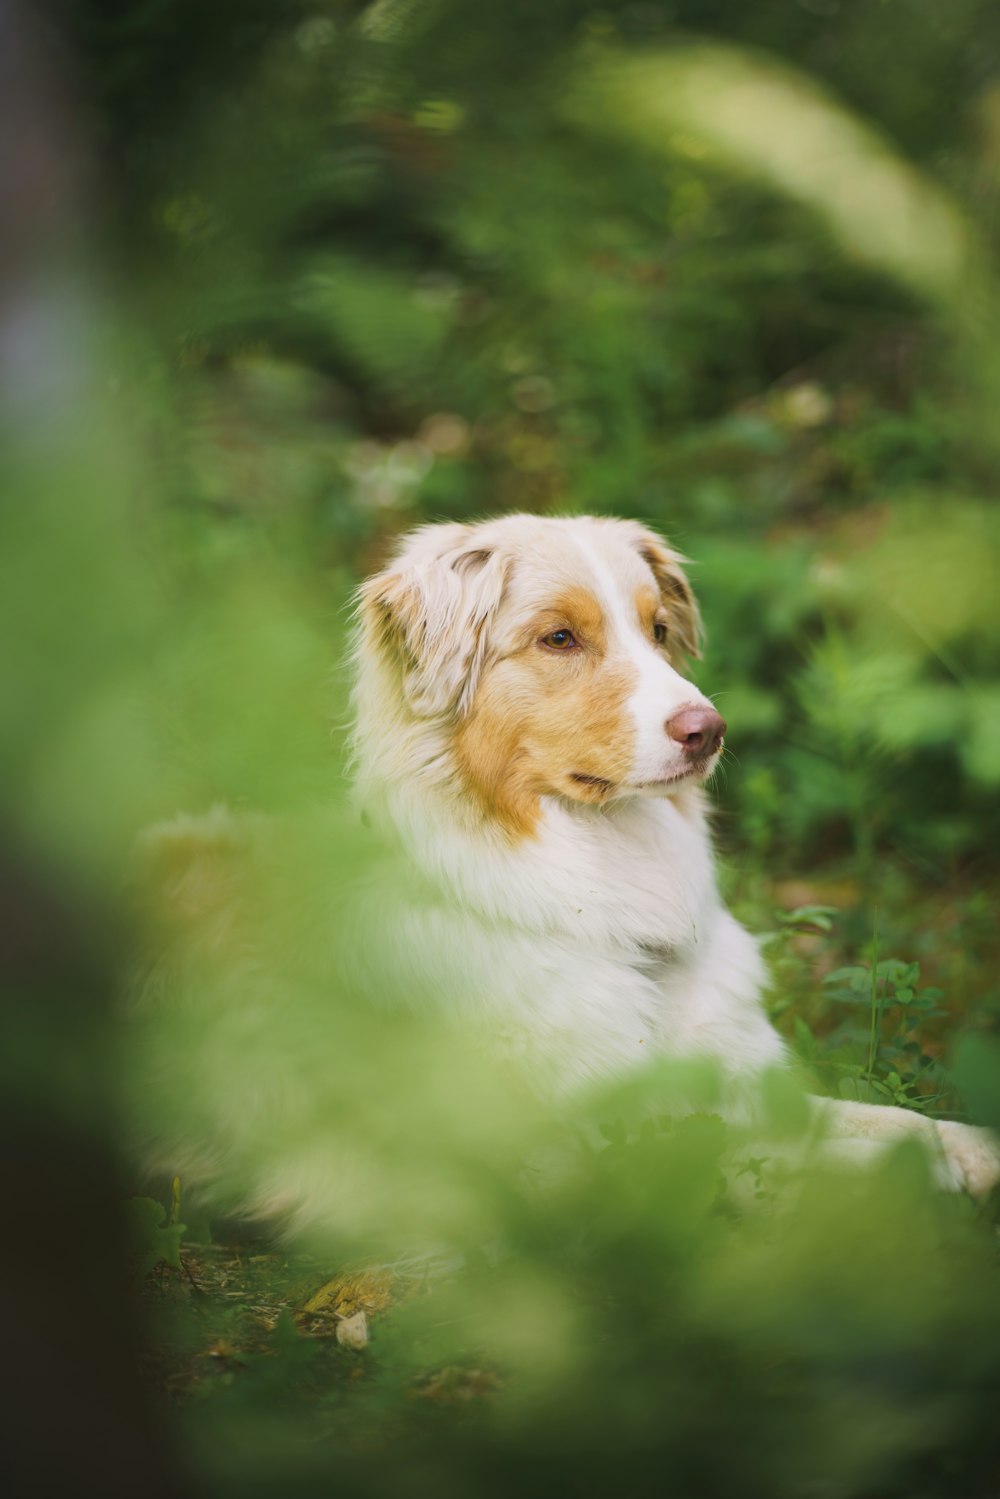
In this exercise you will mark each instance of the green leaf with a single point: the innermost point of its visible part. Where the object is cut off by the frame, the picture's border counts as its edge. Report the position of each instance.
(849, 997)
(815, 916)
(805, 1041)
(858, 979)
(153, 1242)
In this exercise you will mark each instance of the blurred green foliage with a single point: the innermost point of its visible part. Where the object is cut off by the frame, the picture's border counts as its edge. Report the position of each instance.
(416, 260)
(367, 265)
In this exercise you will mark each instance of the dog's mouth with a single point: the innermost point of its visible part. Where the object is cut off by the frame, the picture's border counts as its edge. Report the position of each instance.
(698, 770)
(593, 783)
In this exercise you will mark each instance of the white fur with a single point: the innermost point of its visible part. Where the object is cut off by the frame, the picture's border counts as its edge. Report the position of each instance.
(600, 940)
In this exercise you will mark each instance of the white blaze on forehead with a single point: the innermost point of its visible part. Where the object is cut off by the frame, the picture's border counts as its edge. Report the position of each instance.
(659, 691)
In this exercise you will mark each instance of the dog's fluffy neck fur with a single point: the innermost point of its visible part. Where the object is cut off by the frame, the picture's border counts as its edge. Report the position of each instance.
(633, 874)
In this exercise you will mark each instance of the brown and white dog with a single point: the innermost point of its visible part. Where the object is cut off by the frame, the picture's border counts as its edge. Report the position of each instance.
(525, 732)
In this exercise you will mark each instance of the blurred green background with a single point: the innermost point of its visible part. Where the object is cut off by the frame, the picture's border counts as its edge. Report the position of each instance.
(283, 278)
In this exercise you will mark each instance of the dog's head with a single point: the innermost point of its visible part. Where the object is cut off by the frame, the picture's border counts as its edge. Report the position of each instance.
(548, 651)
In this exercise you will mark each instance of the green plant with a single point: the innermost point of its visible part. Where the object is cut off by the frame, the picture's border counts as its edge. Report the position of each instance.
(895, 1068)
(156, 1233)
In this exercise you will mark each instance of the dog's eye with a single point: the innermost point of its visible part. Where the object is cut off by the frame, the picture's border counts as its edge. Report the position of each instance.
(660, 632)
(560, 640)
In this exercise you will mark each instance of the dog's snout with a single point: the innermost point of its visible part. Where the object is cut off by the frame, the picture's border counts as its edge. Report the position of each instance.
(698, 731)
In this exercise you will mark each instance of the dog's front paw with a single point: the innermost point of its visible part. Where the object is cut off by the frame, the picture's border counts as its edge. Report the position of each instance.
(973, 1156)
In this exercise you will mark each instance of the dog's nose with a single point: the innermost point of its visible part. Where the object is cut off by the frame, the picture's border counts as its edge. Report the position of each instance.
(698, 731)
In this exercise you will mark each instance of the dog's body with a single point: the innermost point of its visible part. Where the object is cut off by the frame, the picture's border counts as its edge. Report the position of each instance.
(523, 731)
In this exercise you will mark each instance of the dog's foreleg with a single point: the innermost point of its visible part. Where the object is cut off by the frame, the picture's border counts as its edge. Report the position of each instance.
(967, 1158)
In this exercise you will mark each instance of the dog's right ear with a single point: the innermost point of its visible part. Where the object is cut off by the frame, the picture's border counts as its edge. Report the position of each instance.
(433, 609)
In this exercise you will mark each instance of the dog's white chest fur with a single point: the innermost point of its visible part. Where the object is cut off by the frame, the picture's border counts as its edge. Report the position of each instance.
(586, 950)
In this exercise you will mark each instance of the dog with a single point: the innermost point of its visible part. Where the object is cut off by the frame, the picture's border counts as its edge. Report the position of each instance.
(535, 891)
(524, 731)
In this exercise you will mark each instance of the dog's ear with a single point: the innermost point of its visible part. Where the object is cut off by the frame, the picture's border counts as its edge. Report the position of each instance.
(433, 609)
(675, 591)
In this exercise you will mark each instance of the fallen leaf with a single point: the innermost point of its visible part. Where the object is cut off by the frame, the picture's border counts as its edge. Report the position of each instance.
(352, 1332)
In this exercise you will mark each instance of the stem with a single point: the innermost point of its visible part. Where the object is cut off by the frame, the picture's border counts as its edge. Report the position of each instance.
(876, 1003)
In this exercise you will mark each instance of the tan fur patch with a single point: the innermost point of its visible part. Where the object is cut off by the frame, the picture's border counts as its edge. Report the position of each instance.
(583, 614)
(648, 606)
(547, 722)
(572, 608)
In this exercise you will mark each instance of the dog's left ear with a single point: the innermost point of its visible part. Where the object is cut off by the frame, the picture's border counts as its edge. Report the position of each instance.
(432, 610)
(675, 590)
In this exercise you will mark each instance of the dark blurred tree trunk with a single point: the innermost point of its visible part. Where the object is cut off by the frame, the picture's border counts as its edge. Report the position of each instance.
(75, 1413)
